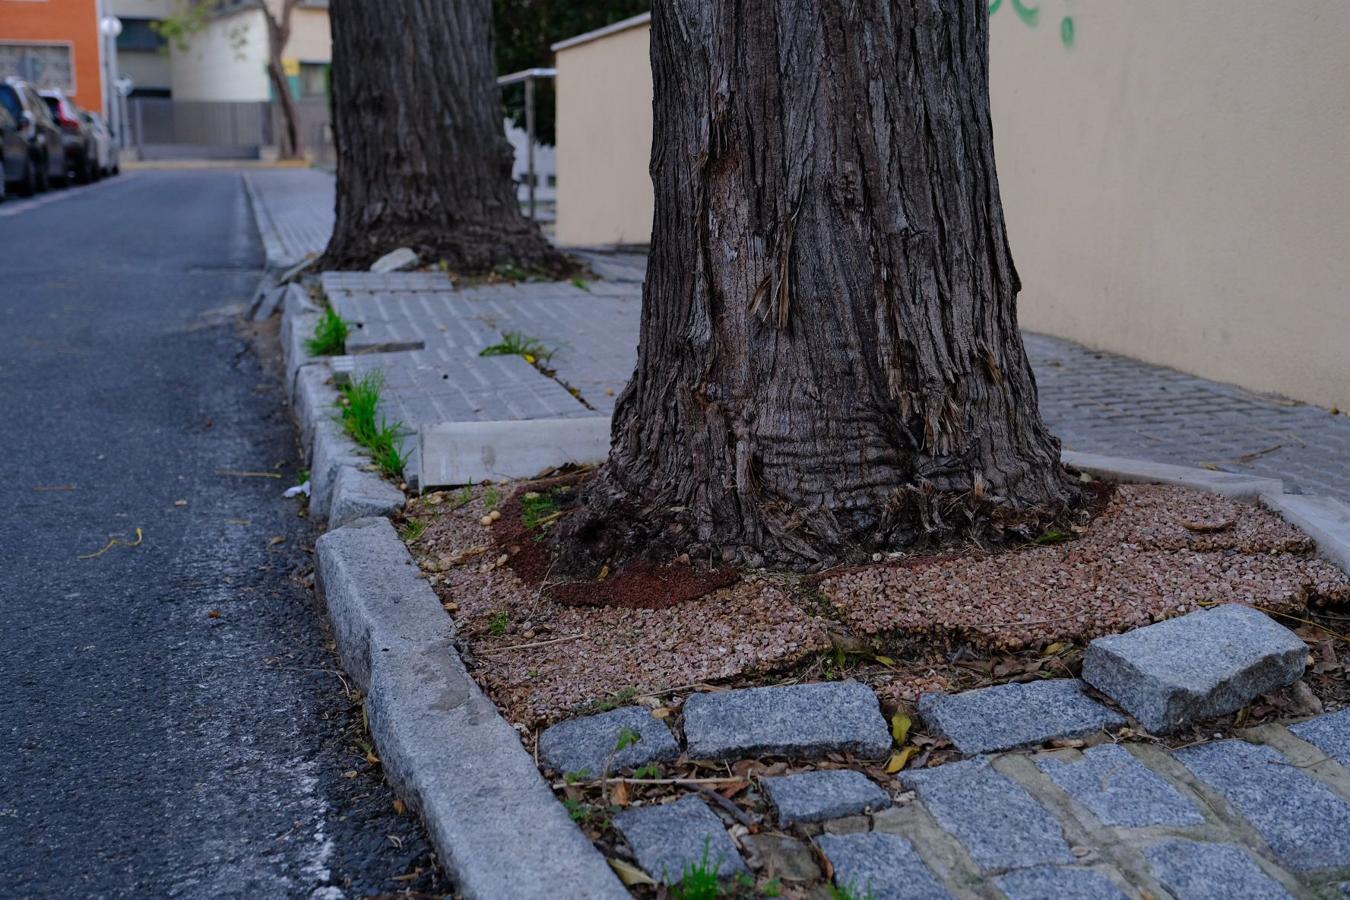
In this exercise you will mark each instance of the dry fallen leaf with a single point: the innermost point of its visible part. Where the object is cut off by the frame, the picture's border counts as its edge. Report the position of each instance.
(213, 614)
(400, 807)
(276, 539)
(629, 874)
(901, 759)
(900, 725)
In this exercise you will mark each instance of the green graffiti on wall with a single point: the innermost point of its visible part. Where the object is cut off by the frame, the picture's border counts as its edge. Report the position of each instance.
(1031, 17)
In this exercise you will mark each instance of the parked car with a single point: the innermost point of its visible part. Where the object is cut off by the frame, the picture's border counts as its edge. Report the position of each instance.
(14, 163)
(81, 154)
(46, 150)
(104, 144)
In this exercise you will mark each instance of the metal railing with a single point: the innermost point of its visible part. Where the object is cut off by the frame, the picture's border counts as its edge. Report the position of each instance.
(528, 76)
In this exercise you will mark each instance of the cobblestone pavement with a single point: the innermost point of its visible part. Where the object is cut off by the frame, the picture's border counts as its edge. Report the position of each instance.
(294, 211)
(1096, 402)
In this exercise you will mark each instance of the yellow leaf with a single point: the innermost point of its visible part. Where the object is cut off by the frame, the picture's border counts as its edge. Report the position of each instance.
(884, 660)
(629, 874)
(1056, 647)
(604, 573)
(900, 727)
(899, 760)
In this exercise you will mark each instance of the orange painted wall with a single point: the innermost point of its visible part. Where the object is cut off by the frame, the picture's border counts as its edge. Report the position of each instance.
(70, 21)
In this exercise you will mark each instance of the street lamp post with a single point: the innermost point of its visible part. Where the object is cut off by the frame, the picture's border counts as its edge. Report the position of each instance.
(111, 27)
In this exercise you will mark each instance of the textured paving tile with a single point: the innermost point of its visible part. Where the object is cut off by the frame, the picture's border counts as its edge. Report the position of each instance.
(880, 866)
(1302, 819)
(1060, 883)
(1008, 716)
(995, 818)
(817, 796)
(588, 743)
(1195, 871)
(801, 720)
(1330, 734)
(1204, 664)
(670, 838)
(1120, 790)
(294, 210)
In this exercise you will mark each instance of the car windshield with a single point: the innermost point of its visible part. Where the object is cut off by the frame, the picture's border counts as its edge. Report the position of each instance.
(10, 101)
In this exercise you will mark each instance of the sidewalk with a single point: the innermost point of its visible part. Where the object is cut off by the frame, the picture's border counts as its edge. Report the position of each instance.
(1095, 402)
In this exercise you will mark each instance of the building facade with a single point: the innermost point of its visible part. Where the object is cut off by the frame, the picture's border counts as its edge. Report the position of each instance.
(54, 44)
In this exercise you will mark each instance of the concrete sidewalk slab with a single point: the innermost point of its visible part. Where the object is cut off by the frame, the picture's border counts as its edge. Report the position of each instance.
(458, 453)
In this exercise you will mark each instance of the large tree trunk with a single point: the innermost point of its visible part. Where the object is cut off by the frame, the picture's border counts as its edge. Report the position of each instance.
(423, 160)
(830, 363)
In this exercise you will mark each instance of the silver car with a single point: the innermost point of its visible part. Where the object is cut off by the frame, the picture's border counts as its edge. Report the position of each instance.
(105, 145)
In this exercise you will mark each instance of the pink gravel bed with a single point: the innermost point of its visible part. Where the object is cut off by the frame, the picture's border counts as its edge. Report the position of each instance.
(1150, 555)
(1154, 552)
(750, 628)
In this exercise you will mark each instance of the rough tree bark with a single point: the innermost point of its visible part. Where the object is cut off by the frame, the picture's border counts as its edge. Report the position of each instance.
(423, 160)
(278, 35)
(829, 361)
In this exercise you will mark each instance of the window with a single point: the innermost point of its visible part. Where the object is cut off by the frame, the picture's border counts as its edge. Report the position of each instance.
(43, 65)
(313, 80)
(139, 34)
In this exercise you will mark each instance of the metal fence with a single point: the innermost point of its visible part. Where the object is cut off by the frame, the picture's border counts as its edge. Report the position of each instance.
(162, 127)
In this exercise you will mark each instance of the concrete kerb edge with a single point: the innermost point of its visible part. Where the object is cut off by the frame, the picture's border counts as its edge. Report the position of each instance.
(445, 747)
(1325, 520)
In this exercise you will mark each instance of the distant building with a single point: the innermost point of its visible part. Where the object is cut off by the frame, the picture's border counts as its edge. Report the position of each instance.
(54, 44)
(227, 61)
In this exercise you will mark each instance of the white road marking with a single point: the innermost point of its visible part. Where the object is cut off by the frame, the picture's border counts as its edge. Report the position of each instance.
(10, 208)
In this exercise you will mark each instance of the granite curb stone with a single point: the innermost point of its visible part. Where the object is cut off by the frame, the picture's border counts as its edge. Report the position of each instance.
(826, 794)
(880, 866)
(1301, 818)
(585, 744)
(493, 819)
(668, 839)
(1329, 733)
(1204, 664)
(315, 401)
(1225, 484)
(359, 494)
(1011, 716)
(1120, 790)
(1060, 883)
(801, 720)
(1195, 871)
(331, 452)
(995, 818)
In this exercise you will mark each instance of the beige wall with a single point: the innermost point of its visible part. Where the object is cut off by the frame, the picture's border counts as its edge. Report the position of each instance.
(1176, 181)
(227, 60)
(1177, 189)
(604, 141)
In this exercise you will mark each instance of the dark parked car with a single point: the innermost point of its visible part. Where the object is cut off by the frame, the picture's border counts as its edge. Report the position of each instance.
(14, 163)
(81, 151)
(46, 150)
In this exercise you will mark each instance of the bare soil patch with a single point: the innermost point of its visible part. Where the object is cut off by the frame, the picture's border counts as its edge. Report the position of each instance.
(905, 625)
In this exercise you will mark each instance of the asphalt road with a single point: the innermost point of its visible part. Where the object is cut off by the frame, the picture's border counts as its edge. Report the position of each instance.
(171, 718)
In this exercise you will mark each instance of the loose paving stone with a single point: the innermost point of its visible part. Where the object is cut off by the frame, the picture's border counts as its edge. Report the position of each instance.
(400, 260)
(1329, 733)
(669, 839)
(880, 866)
(588, 744)
(817, 796)
(1302, 819)
(1060, 883)
(802, 720)
(1009, 716)
(1198, 666)
(1195, 871)
(996, 819)
(1120, 790)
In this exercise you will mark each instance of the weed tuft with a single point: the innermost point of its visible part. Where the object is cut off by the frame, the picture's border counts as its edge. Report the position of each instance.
(514, 343)
(497, 627)
(699, 881)
(330, 335)
(361, 401)
(537, 509)
(413, 529)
